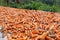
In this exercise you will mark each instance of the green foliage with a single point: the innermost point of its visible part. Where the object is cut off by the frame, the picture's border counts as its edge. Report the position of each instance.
(46, 5)
(50, 2)
(45, 8)
(32, 5)
(2, 3)
(15, 5)
(54, 8)
(40, 6)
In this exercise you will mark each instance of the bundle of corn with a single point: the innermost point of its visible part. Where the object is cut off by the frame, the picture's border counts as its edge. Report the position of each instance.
(23, 24)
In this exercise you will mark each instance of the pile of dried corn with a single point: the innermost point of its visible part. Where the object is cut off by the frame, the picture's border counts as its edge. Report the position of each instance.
(22, 24)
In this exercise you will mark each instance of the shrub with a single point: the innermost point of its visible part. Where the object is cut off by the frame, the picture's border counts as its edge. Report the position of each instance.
(32, 5)
(15, 5)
